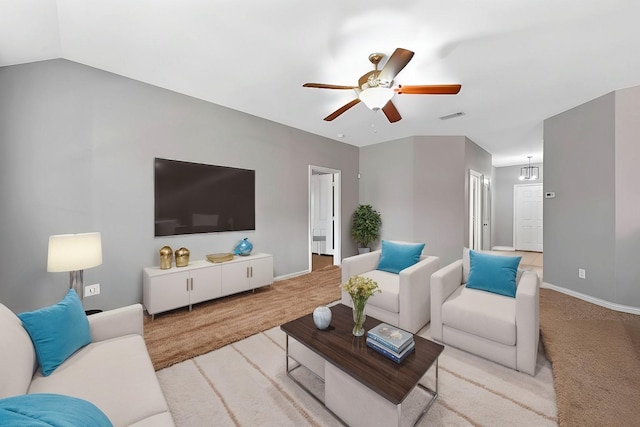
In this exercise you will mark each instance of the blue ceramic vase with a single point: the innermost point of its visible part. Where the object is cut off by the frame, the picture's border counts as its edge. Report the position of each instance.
(243, 248)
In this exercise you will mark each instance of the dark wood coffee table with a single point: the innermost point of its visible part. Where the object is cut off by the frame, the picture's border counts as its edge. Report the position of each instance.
(351, 371)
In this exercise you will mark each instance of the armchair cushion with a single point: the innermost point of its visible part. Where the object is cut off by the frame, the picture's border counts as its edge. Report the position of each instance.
(483, 314)
(388, 298)
(57, 331)
(493, 273)
(396, 256)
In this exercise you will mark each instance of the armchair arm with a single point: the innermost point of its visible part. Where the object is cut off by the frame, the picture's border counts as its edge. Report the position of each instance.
(443, 283)
(357, 264)
(415, 294)
(116, 323)
(527, 322)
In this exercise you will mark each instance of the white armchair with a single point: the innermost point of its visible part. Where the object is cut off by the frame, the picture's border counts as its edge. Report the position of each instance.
(404, 300)
(496, 327)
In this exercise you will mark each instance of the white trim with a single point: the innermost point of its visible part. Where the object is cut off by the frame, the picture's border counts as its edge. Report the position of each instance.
(503, 248)
(337, 207)
(593, 300)
(475, 211)
(291, 275)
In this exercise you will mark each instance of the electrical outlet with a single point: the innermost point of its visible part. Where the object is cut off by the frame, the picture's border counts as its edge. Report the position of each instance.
(91, 290)
(582, 273)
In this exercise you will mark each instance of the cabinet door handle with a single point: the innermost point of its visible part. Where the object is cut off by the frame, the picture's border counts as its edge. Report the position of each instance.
(192, 283)
(251, 271)
(247, 272)
(187, 285)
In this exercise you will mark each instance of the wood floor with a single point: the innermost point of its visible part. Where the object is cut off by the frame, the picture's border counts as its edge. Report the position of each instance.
(320, 261)
(529, 261)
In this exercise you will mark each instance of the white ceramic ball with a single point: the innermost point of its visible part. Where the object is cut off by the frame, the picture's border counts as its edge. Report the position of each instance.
(322, 317)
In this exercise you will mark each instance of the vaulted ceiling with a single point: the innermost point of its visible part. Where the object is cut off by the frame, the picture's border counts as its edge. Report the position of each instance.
(519, 62)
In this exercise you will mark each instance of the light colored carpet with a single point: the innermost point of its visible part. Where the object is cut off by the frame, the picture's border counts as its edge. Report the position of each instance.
(182, 334)
(245, 384)
(596, 361)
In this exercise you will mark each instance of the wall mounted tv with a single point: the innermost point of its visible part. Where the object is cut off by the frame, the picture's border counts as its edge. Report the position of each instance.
(197, 198)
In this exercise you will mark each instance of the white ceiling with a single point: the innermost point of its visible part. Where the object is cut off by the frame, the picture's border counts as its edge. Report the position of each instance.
(519, 62)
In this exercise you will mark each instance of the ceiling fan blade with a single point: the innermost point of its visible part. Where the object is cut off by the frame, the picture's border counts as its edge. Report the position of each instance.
(428, 90)
(326, 86)
(391, 112)
(398, 60)
(341, 110)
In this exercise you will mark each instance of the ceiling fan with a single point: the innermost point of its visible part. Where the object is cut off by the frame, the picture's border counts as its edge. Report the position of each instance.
(375, 87)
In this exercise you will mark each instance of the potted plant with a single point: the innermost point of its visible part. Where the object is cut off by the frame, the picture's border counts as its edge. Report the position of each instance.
(365, 227)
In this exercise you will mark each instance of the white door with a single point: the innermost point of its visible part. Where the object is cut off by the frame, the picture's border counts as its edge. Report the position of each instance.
(527, 219)
(475, 210)
(486, 213)
(322, 214)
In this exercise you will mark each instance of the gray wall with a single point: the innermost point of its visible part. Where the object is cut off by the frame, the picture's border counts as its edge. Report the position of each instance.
(627, 203)
(386, 183)
(579, 223)
(504, 178)
(76, 155)
(479, 160)
(420, 186)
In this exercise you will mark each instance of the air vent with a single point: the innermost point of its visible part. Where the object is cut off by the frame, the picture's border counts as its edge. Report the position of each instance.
(451, 116)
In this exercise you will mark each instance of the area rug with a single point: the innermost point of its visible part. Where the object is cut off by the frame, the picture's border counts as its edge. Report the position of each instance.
(245, 384)
(595, 354)
(182, 334)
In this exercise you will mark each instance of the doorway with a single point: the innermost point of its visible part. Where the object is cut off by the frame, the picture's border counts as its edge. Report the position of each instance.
(324, 220)
(527, 217)
(479, 211)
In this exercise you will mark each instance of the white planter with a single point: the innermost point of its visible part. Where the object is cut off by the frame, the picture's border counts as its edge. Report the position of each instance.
(363, 250)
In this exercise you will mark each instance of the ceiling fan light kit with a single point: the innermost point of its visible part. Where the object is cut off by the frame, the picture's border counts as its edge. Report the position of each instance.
(375, 88)
(376, 97)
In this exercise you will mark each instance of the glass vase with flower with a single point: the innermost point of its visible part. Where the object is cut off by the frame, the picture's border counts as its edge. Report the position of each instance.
(360, 289)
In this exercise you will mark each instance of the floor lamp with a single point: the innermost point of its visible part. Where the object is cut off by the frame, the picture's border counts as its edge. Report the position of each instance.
(74, 253)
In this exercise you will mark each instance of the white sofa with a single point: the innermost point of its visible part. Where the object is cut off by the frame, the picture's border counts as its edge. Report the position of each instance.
(405, 298)
(114, 372)
(496, 327)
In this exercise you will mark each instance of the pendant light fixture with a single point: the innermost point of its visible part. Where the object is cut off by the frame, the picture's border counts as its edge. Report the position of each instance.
(529, 172)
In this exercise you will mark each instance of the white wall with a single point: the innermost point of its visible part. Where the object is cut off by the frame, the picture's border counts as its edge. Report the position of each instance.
(76, 154)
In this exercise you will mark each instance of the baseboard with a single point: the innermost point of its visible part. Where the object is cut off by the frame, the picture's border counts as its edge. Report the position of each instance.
(593, 300)
(290, 275)
(502, 248)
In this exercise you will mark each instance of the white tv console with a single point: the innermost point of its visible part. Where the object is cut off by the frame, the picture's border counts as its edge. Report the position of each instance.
(201, 280)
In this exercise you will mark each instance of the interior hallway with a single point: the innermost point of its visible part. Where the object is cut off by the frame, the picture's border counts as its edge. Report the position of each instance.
(529, 261)
(320, 261)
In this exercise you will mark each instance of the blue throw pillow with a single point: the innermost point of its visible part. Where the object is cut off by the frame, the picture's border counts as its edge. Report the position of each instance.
(493, 273)
(57, 331)
(50, 410)
(396, 257)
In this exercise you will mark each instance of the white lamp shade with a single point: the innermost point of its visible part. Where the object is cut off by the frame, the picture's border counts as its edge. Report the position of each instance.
(72, 252)
(376, 97)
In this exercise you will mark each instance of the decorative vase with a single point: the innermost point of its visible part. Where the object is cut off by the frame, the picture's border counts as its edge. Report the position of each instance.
(322, 317)
(182, 257)
(359, 316)
(166, 257)
(243, 248)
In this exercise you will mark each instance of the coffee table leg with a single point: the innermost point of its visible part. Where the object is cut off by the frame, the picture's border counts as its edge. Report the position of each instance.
(434, 396)
(295, 380)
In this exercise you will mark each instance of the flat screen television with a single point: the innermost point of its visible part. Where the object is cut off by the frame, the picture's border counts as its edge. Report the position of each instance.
(198, 198)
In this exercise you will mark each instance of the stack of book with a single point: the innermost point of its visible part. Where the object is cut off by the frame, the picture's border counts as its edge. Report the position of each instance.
(392, 342)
